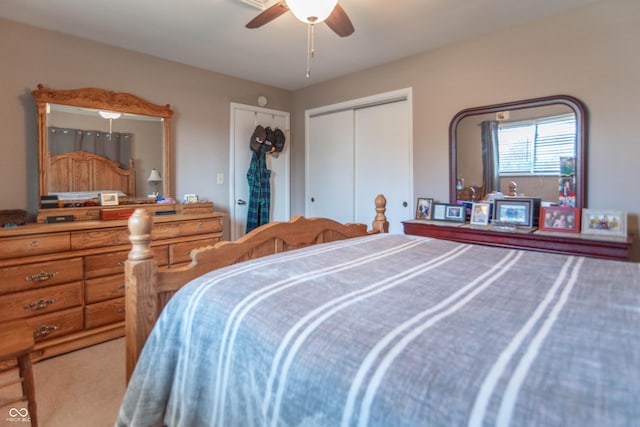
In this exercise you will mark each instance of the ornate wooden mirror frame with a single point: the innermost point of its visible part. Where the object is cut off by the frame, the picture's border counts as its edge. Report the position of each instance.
(98, 99)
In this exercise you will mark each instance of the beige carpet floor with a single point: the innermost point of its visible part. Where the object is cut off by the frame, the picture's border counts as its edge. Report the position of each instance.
(83, 388)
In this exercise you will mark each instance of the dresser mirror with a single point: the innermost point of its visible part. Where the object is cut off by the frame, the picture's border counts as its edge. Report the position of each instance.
(533, 148)
(92, 140)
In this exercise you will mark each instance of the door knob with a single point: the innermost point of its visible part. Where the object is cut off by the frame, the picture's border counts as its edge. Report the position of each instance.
(313, 199)
(241, 202)
(405, 204)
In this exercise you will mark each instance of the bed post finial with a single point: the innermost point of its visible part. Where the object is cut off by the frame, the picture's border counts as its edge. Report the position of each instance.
(141, 303)
(380, 222)
(140, 224)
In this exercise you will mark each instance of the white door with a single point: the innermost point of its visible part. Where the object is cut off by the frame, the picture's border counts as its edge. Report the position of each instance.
(384, 162)
(329, 167)
(357, 150)
(244, 119)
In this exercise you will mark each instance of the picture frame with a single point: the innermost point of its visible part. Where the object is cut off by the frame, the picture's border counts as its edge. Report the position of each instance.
(513, 212)
(560, 218)
(566, 191)
(604, 222)
(109, 199)
(455, 213)
(423, 208)
(191, 198)
(480, 213)
(448, 212)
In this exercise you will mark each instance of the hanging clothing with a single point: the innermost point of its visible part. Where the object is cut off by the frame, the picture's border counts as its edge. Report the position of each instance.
(259, 178)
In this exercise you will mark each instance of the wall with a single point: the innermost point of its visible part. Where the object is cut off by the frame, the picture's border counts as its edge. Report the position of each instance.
(590, 53)
(200, 100)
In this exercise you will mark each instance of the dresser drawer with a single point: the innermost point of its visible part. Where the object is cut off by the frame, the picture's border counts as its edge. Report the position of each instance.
(38, 301)
(103, 288)
(99, 238)
(56, 324)
(17, 247)
(36, 275)
(103, 313)
(105, 264)
(186, 228)
(179, 252)
(113, 263)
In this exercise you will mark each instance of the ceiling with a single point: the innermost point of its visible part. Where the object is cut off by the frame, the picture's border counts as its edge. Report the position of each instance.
(211, 34)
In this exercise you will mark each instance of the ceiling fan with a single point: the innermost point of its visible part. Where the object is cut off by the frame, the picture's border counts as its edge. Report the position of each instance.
(309, 12)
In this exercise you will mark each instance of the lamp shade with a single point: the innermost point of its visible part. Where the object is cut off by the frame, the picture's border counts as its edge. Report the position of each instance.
(312, 11)
(154, 176)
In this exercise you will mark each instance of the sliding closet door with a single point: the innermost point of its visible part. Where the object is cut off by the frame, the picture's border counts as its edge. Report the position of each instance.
(384, 162)
(330, 166)
(357, 150)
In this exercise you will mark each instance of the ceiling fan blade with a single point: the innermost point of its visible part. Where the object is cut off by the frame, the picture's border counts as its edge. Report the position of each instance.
(339, 22)
(268, 15)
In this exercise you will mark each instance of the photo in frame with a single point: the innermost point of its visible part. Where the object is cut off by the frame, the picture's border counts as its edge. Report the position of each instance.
(438, 211)
(513, 212)
(480, 212)
(560, 218)
(191, 198)
(423, 208)
(455, 213)
(567, 191)
(109, 199)
(611, 223)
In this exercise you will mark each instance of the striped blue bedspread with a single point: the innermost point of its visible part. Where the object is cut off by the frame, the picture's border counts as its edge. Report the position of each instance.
(395, 330)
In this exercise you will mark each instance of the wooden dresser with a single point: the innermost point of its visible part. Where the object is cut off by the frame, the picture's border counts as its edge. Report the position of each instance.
(67, 279)
(617, 248)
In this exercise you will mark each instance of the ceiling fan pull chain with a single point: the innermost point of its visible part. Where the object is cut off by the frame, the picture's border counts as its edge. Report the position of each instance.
(310, 48)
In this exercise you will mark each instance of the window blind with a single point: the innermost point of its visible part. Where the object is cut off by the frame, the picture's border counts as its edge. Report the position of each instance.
(534, 147)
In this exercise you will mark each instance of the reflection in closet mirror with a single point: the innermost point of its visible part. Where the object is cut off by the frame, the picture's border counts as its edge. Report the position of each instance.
(516, 148)
(89, 139)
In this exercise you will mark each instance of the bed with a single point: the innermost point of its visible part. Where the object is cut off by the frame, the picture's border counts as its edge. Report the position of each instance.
(383, 330)
(83, 174)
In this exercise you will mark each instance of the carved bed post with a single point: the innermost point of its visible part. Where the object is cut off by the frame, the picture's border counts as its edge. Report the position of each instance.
(380, 222)
(141, 303)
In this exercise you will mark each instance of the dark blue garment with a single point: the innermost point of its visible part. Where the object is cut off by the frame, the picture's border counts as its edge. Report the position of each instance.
(259, 178)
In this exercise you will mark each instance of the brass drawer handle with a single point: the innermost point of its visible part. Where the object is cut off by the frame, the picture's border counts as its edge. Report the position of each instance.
(121, 310)
(35, 243)
(44, 330)
(121, 286)
(120, 263)
(200, 224)
(39, 305)
(42, 276)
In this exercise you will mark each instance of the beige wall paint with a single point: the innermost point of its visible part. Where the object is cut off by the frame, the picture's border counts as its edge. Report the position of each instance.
(590, 53)
(200, 100)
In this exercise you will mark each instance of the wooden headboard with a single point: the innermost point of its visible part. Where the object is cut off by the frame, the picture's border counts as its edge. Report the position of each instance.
(84, 171)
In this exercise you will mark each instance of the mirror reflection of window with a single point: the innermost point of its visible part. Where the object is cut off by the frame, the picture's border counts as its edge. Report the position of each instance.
(534, 147)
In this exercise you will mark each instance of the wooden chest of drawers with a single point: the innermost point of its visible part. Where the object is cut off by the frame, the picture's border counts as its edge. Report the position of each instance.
(67, 280)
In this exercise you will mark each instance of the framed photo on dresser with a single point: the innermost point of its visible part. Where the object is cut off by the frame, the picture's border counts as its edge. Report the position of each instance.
(480, 212)
(423, 208)
(448, 212)
(610, 223)
(559, 218)
(513, 212)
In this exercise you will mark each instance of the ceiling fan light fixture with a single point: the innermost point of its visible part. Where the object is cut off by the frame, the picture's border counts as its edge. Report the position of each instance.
(311, 11)
(109, 114)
